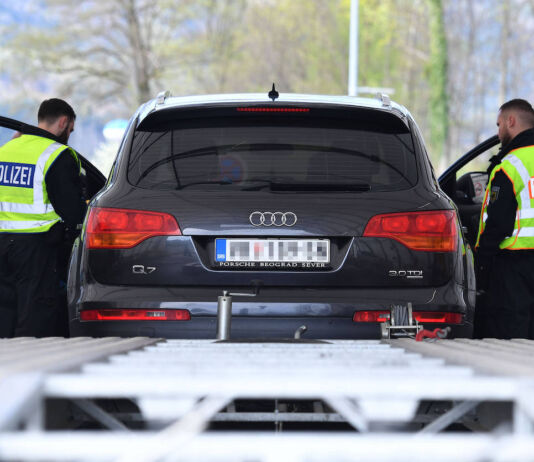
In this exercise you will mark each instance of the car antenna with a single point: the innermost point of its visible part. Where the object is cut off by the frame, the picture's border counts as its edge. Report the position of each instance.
(273, 94)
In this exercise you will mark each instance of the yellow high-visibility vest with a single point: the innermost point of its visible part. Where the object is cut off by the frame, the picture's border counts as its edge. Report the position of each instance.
(24, 203)
(518, 166)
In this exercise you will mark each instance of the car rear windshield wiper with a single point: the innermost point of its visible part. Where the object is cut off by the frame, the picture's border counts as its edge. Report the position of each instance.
(220, 182)
(275, 186)
(359, 187)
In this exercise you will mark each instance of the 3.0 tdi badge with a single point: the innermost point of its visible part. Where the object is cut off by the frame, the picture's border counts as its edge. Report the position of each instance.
(408, 274)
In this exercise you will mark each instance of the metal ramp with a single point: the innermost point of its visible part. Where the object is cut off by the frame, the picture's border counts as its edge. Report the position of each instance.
(396, 398)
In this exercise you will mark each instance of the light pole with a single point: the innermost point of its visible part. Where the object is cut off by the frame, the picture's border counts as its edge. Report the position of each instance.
(353, 48)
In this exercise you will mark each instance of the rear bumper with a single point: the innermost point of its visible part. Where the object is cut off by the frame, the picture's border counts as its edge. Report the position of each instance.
(277, 312)
(244, 327)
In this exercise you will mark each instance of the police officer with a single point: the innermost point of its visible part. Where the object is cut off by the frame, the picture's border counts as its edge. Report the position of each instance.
(505, 243)
(40, 196)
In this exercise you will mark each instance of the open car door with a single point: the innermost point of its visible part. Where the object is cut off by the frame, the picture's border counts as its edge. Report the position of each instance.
(465, 183)
(93, 179)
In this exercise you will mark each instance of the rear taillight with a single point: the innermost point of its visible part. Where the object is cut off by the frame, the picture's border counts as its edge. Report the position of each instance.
(134, 315)
(124, 228)
(431, 231)
(436, 317)
(371, 316)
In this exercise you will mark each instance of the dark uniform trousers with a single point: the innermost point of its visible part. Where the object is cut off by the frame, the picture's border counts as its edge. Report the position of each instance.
(509, 308)
(29, 285)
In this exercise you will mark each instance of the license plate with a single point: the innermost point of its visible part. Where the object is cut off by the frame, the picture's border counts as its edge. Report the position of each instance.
(273, 250)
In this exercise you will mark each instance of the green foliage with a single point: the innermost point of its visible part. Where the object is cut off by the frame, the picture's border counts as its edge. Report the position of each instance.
(301, 45)
(439, 100)
(379, 54)
(111, 56)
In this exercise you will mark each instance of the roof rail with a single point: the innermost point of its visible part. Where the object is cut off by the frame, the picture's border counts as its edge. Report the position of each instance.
(162, 95)
(386, 101)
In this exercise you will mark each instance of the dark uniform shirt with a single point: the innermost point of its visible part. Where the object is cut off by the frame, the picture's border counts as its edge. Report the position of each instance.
(64, 188)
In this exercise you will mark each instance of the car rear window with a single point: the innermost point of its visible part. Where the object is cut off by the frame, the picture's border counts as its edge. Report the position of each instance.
(279, 152)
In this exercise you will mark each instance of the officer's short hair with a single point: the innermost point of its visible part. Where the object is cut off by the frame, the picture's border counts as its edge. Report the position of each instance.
(523, 109)
(52, 109)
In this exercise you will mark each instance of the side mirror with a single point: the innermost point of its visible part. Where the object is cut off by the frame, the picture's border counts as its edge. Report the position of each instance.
(472, 186)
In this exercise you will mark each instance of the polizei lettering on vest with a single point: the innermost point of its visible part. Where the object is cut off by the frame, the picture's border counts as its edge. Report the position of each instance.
(18, 175)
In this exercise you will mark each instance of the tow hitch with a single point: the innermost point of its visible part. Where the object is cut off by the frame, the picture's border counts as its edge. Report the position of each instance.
(224, 311)
(224, 314)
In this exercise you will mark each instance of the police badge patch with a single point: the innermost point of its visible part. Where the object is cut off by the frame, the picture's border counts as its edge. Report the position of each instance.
(494, 193)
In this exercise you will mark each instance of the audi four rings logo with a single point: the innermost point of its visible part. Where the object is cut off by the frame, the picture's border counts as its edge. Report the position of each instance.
(273, 218)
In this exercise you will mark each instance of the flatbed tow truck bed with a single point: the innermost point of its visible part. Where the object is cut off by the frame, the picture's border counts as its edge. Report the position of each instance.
(144, 399)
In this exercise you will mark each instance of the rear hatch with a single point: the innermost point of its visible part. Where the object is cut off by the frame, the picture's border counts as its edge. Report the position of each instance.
(258, 192)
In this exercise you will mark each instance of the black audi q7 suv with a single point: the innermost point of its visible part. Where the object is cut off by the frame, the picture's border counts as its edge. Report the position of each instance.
(325, 209)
